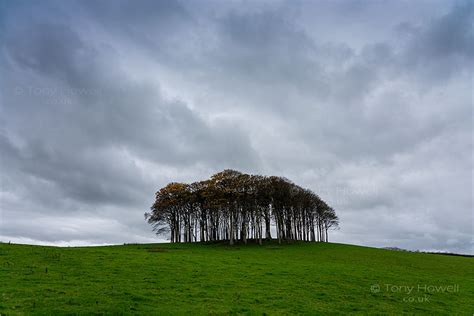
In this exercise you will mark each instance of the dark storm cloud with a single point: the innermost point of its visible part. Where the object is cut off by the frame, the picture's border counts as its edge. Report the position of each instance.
(99, 113)
(369, 105)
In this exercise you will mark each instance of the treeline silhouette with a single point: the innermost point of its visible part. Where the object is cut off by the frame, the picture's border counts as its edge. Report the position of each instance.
(236, 206)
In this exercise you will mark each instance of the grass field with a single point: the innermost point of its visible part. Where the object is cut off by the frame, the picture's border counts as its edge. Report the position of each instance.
(306, 278)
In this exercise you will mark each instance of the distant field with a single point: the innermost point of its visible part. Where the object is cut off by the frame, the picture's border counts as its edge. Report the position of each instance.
(305, 278)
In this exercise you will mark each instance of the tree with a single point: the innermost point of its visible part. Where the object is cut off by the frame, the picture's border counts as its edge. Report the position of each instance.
(235, 206)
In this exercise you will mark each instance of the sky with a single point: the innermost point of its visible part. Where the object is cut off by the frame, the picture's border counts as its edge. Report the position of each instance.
(366, 103)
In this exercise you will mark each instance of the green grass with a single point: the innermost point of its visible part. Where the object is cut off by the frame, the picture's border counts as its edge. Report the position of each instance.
(298, 278)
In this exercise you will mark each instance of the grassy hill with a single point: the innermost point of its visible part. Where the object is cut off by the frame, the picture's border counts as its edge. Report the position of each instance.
(308, 278)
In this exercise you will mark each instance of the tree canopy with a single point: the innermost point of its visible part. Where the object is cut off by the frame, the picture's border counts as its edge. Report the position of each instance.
(236, 206)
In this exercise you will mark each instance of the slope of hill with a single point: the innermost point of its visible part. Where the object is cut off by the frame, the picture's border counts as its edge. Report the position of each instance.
(292, 278)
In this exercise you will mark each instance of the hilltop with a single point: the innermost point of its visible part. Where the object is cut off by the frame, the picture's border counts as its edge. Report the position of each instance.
(216, 278)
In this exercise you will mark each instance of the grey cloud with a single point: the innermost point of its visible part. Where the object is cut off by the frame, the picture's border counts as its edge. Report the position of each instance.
(442, 47)
(77, 147)
(366, 104)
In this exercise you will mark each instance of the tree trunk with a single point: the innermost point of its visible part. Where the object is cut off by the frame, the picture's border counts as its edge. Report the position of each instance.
(231, 230)
(268, 233)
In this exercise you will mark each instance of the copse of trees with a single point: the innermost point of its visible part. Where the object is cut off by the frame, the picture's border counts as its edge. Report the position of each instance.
(236, 206)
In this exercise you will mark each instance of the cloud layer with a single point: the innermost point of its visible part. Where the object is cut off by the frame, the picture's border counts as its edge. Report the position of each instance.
(368, 105)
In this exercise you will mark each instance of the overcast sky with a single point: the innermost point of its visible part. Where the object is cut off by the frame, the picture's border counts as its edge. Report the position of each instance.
(367, 103)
